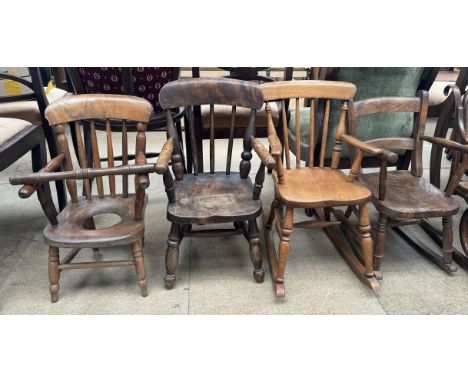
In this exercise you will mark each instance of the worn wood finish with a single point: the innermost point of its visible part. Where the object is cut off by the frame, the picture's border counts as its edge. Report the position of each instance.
(74, 226)
(219, 91)
(98, 106)
(214, 197)
(454, 115)
(273, 91)
(404, 197)
(316, 186)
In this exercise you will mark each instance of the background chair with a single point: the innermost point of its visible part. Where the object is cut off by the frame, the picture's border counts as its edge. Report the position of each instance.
(452, 123)
(18, 137)
(212, 197)
(405, 197)
(31, 107)
(223, 112)
(370, 83)
(317, 186)
(141, 82)
(74, 227)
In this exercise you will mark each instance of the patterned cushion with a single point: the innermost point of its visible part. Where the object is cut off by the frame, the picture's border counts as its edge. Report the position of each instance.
(147, 82)
(370, 83)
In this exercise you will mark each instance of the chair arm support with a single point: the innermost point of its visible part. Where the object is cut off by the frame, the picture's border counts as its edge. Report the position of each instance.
(263, 153)
(28, 189)
(85, 173)
(384, 154)
(165, 156)
(275, 144)
(444, 142)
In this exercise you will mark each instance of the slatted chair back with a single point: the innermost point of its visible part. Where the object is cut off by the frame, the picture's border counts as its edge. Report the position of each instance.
(79, 108)
(190, 93)
(313, 92)
(418, 105)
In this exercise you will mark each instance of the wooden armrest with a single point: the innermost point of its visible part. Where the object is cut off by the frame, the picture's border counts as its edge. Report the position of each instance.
(275, 144)
(384, 154)
(447, 143)
(263, 153)
(28, 189)
(85, 173)
(165, 156)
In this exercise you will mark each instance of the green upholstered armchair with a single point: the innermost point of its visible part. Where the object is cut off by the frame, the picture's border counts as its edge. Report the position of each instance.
(370, 83)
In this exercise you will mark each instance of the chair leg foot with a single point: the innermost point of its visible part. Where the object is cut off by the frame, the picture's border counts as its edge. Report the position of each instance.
(280, 290)
(259, 275)
(54, 273)
(378, 275)
(169, 281)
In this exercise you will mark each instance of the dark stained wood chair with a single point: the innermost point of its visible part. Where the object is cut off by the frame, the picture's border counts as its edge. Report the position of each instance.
(17, 138)
(212, 197)
(404, 197)
(454, 118)
(317, 186)
(31, 107)
(74, 227)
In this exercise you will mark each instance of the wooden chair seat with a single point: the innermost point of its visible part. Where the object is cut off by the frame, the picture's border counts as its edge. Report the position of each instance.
(71, 232)
(213, 198)
(320, 187)
(408, 196)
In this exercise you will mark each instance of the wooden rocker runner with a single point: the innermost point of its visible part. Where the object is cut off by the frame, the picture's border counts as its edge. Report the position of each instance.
(74, 227)
(455, 116)
(318, 187)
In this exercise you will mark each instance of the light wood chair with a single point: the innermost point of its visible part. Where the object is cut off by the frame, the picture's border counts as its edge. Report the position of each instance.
(317, 186)
(74, 227)
(212, 197)
(405, 197)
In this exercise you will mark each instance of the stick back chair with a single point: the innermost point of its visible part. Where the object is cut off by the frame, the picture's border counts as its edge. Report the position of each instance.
(317, 186)
(74, 227)
(404, 197)
(455, 116)
(212, 196)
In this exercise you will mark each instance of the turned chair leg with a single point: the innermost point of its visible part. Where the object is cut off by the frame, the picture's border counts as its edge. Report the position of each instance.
(380, 245)
(274, 205)
(366, 240)
(255, 249)
(54, 273)
(172, 256)
(464, 232)
(284, 249)
(140, 267)
(447, 239)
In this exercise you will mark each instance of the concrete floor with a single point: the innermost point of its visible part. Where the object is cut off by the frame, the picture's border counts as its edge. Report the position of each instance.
(214, 275)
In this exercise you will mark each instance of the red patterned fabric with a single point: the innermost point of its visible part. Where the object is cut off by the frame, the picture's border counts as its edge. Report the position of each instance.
(147, 82)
